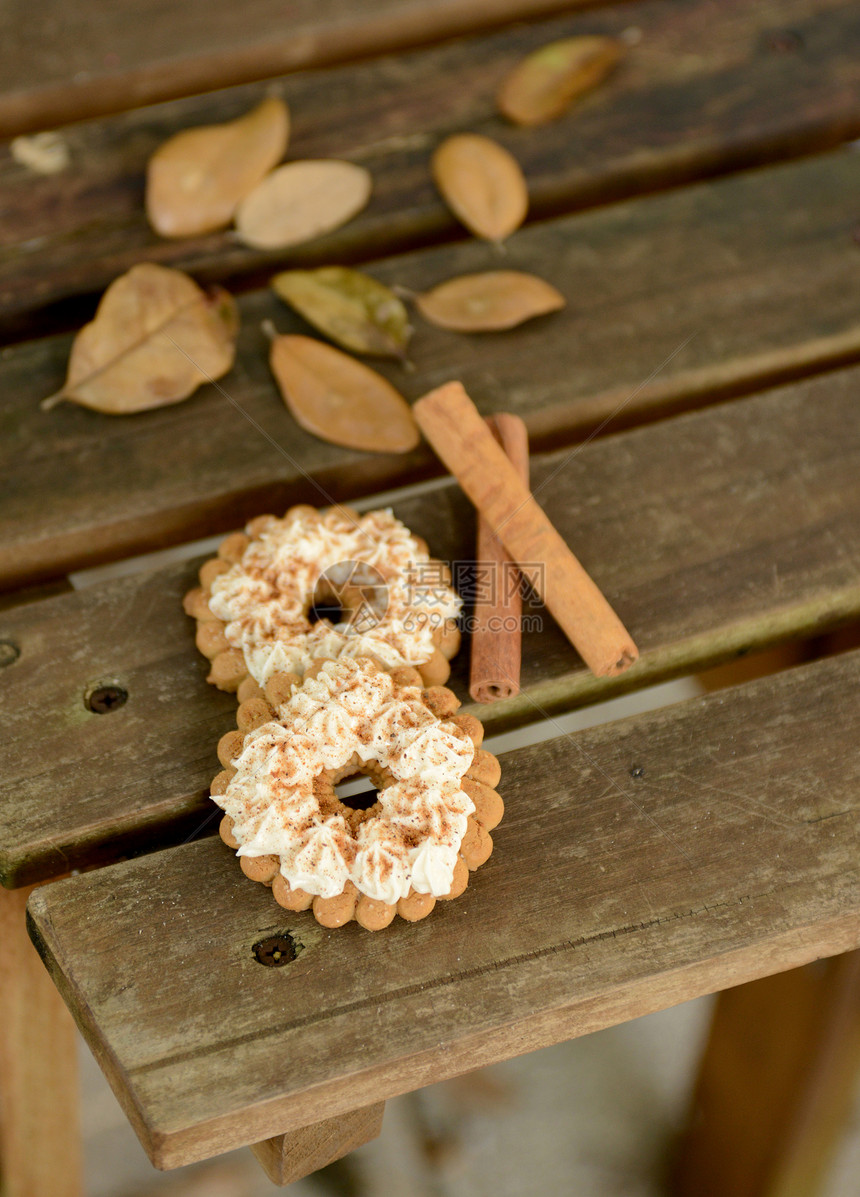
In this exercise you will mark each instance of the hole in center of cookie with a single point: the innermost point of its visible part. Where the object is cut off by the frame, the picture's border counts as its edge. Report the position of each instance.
(352, 593)
(357, 793)
(326, 608)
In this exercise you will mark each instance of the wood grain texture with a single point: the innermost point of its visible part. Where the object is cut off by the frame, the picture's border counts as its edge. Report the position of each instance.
(287, 1158)
(711, 535)
(776, 1084)
(40, 1147)
(639, 864)
(83, 60)
(702, 92)
(672, 300)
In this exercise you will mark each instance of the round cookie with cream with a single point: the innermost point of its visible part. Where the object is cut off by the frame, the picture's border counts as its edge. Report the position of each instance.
(427, 828)
(257, 599)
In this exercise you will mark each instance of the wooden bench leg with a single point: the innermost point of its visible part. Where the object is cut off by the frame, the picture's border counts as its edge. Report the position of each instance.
(40, 1143)
(775, 1085)
(287, 1158)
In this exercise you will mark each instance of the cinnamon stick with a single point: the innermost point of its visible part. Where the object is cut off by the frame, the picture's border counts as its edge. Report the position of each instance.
(496, 645)
(453, 426)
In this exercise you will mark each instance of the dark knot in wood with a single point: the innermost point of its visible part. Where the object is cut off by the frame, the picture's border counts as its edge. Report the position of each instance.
(783, 41)
(9, 653)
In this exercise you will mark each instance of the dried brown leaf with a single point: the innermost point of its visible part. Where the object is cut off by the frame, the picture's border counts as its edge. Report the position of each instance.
(302, 200)
(155, 339)
(488, 302)
(547, 81)
(482, 184)
(197, 179)
(339, 399)
(357, 311)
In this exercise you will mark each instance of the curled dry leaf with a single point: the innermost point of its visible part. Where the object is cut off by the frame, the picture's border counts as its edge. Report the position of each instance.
(488, 302)
(197, 179)
(155, 339)
(300, 201)
(547, 81)
(482, 184)
(339, 399)
(357, 311)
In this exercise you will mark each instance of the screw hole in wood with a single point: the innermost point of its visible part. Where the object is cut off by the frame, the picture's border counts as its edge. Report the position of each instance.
(106, 697)
(276, 950)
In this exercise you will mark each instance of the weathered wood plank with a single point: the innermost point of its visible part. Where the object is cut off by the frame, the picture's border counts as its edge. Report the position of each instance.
(639, 865)
(711, 534)
(702, 92)
(673, 300)
(82, 60)
(287, 1158)
(40, 1147)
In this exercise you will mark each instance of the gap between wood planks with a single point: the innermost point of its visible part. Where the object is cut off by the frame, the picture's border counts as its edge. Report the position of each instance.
(71, 313)
(810, 870)
(545, 727)
(320, 43)
(656, 124)
(647, 699)
(716, 303)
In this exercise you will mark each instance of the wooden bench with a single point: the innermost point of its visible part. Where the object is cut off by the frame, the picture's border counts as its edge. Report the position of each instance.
(711, 328)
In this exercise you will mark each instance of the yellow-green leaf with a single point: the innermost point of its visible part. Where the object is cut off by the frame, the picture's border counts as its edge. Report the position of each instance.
(156, 337)
(340, 399)
(357, 311)
(547, 81)
(489, 302)
(197, 179)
